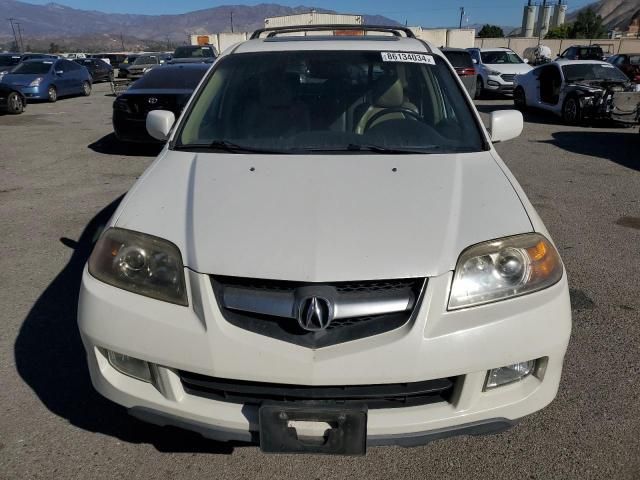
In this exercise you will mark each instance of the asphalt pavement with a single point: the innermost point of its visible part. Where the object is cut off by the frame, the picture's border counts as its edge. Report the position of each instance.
(62, 173)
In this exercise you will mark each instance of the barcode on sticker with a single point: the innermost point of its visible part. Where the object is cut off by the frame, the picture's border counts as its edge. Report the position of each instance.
(407, 57)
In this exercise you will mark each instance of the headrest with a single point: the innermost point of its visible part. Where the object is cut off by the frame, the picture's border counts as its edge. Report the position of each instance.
(390, 95)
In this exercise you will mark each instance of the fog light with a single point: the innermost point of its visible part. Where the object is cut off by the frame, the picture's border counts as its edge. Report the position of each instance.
(493, 83)
(509, 374)
(130, 366)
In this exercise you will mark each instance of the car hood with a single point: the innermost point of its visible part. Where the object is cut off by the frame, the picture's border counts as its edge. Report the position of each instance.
(323, 218)
(513, 68)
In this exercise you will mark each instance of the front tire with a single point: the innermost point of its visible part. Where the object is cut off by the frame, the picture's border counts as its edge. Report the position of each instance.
(52, 94)
(86, 89)
(479, 87)
(520, 99)
(15, 105)
(572, 111)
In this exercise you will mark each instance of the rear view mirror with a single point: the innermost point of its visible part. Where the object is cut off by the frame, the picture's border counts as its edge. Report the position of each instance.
(159, 123)
(474, 60)
(505, 125)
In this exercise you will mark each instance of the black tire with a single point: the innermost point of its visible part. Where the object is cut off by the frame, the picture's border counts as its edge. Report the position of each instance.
(52, 94)
(572, 111)
(15, 105)
(86, 88)
(519, 99)
(479, 88)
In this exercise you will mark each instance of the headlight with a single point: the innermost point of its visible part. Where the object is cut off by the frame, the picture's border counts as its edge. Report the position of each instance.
(504, 268)
(494, 72)
(140, 263)
(36, 82)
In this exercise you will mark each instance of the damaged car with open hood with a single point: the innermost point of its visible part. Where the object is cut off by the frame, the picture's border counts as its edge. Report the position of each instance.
(578, 90)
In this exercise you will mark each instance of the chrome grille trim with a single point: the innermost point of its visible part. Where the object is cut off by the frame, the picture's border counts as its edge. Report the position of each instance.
(346, 305)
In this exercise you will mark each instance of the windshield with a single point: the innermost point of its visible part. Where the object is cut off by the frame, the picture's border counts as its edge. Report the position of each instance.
(8, 60)
(27, 68)
(592, 71)
(146, 60)
(167, 77)
(315, 101)
(500, 57)
(193, 52)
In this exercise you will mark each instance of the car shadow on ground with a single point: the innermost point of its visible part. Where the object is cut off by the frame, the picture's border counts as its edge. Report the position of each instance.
(110, 145)
(619, 147)
(51, 360)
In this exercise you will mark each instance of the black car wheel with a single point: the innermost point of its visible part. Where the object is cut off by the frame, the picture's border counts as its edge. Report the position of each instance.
(15, 104)
(519, 99)
(571, 111)
(52, 94)
(86, 89)
(479, 87)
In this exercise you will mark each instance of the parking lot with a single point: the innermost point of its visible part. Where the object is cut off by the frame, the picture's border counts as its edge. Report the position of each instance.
(61, 175)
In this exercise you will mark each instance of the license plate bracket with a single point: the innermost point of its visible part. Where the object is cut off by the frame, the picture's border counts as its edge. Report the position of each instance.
(347, 434)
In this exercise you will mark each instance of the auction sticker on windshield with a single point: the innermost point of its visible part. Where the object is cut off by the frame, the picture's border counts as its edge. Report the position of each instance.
(407, 57)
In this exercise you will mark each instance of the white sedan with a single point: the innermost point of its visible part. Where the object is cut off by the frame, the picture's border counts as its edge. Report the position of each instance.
(578, 89)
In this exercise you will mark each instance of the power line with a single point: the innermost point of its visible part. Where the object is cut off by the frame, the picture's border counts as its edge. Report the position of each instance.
(15, 38)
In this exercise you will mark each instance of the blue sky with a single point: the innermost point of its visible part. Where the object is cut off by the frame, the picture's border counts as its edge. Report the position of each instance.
(429, 13)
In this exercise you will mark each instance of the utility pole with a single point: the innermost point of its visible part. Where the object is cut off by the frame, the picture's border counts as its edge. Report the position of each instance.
(461, 15)
(231, 16)
(20, 36)
(15, 38)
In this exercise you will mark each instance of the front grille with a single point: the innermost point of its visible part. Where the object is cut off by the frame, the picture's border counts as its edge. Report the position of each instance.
(362, 308)
(508, 77)
(138, 104)
(374, 396)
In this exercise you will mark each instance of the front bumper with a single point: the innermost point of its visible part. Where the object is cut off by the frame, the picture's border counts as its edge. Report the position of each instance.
(497, 84)
(438, 344)
(133, 130)
(35, 93)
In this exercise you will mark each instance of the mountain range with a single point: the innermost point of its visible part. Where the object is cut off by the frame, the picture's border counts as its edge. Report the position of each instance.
(64, 24)
(616, 14)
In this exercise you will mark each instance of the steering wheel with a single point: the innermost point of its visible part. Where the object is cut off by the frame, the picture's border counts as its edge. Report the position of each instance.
(407, 111)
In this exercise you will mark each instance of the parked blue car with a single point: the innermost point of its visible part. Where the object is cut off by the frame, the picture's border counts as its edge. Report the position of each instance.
(49, 79)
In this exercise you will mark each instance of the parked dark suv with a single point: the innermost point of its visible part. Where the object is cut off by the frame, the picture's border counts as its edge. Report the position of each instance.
(583, 52)
(462, 62)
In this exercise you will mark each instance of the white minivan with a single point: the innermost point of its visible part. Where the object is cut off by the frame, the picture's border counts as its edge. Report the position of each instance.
(328, 254)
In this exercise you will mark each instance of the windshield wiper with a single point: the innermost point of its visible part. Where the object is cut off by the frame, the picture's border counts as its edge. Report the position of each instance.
(230, 147)
(356, 147)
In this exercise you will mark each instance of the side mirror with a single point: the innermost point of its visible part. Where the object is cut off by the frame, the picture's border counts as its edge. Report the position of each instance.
(526, 60)
(505, 125)
(159, 123)
(474, 60)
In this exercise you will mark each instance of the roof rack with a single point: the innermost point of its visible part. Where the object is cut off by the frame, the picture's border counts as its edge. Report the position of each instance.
(273, 31)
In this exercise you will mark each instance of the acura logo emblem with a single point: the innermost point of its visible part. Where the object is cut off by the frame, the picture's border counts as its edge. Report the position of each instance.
(152, 100)
(315, 313)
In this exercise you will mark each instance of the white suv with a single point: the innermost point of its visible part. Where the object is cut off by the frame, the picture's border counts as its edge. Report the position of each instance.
(497, 69)
(327, 254)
